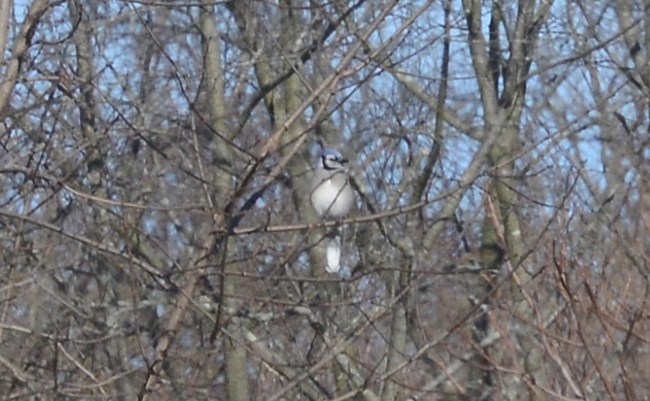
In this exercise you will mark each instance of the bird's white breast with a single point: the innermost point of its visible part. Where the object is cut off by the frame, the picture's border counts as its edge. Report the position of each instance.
(330, 200)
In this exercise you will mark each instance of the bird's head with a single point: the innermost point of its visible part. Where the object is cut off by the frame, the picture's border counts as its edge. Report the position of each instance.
(331, 159)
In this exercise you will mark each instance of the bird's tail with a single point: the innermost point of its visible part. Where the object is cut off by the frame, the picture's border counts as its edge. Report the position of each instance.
(333, 253)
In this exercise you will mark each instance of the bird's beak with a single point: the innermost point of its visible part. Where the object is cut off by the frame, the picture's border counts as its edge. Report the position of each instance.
(343, 160)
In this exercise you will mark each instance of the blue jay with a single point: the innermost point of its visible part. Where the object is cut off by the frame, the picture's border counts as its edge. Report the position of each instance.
(332, 197)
